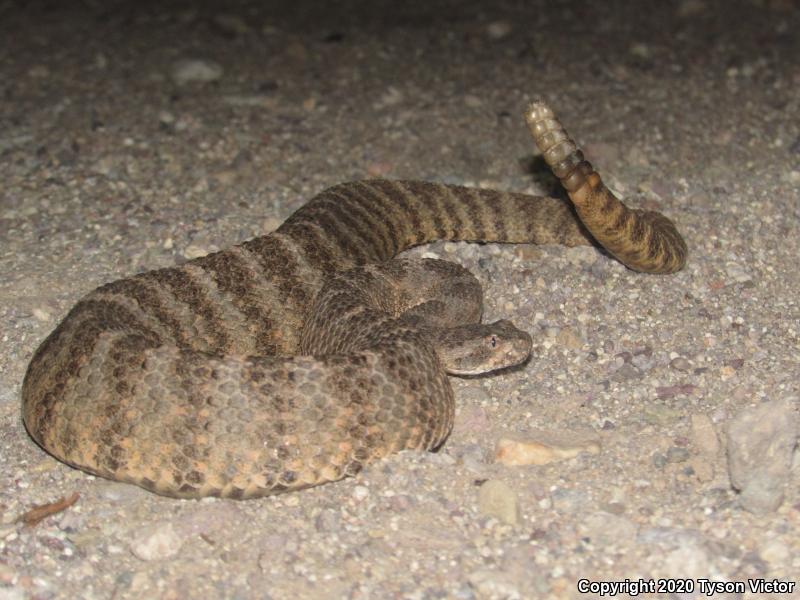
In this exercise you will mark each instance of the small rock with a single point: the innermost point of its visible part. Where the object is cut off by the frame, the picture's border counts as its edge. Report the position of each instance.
(737, 272)
(118, 492)
(497, 499)
(473, 457)
(193, 251)
(703, 468)
(671, 391)
(569, 501)
(13, 593)
(7, 575)
(360, 493)
(473, 101)
(401, 503)
(680, 364)
(270, 224)
(692, 560)
(775, 553)
(106, 166)
(156, 542)
(493, 584)
(545, 448)
(206, 519)
(380, 168)
(391, 97)
(498, 29)
(685, 551)
(581, 255)
(195, 70)
(677, 454)
(606, 529)
(642, 362)
(691, 8)
(569, 339)
(39, 72)
(41, 314)
(527, 253)
(659, 414)
(761, 443)
(166, 118)
(72, 521)
(704, 437)
(625, 373)
(327, 521)
(475, 394)
(231, 24)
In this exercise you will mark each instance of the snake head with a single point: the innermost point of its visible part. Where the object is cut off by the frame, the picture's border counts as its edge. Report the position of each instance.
(482, 348)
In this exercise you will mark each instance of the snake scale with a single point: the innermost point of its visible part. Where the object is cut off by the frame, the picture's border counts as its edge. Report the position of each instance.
(298, 357)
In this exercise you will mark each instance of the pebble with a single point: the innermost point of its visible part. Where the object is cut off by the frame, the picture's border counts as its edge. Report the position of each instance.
(680, 364)
(569, 501)
(691, 8)
(7, 575)
(547, 447)
(569, 339)
(528, 253)
(193, 251)
(193, 70)
(402, 502)
(625, 373)
(498, 29)
(677, 455)
(360, 493)
(737, 272)
(497, 499)
(119, 492)
(684, 551)
(475, 394)
(761, 442)
(775, 552)
(158, 541)
(41, 314)
(703, 468)
(328, 520)
(232, 24)
(659, 414)
(581, 256)
(12, 593)
(489, 583)
(671, 391)
(206, 518)
(606, 529)
(703, 435)
(690, 560)
(473, 458)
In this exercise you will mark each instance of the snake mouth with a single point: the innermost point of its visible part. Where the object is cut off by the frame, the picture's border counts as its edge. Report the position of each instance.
(470, 374)
(506, 354)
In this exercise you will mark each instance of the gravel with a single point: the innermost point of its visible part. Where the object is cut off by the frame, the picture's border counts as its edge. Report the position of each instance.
(134, 137)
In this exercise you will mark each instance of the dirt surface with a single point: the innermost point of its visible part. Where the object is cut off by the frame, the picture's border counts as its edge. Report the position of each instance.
(134, 136)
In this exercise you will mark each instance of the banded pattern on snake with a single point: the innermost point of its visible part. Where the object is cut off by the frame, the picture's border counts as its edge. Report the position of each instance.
(298, 357)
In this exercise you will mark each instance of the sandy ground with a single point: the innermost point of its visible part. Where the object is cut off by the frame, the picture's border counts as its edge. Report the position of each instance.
(134, 137)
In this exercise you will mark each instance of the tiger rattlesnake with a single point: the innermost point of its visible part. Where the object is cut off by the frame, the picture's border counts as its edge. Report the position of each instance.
(242, 374)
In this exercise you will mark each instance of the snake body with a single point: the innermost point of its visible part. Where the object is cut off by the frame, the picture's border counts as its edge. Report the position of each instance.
(298, 357)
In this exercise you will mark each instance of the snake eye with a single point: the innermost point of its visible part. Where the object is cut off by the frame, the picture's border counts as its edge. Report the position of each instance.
(493, 341)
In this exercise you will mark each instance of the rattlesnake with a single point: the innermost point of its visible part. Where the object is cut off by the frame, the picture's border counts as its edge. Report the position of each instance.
(298, 357)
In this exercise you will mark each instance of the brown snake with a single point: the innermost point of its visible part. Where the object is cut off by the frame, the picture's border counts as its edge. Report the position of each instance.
(297, 357)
